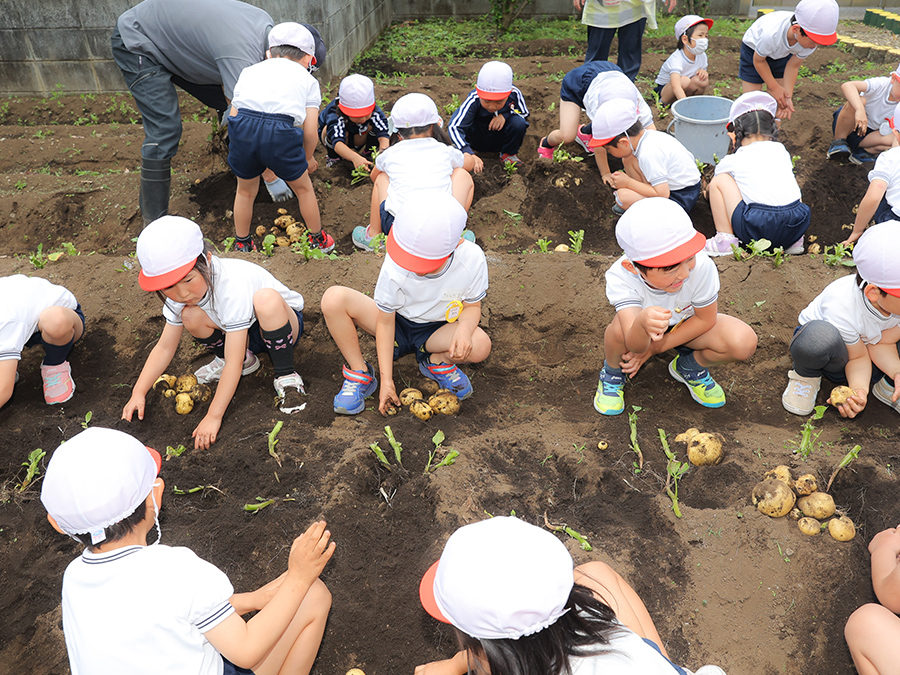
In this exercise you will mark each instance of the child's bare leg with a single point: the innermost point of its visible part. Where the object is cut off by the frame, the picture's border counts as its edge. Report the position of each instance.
(694, 86)
(875, 142)
(306, 198)
(60, 325)
(345, 310)
(751, 86)
(273, 312)
(439, 345)
(628, 197)
(846, 122)
(728, 341)
(197, 322)
(569, 117)
(295, 651)
(871, 632)
(379, 194)
(614, 343)
(667, 94)
(724, 196)
(463, 187)
(243, 205)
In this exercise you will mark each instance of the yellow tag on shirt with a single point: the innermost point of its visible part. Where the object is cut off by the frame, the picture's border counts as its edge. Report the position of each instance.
(454, 309)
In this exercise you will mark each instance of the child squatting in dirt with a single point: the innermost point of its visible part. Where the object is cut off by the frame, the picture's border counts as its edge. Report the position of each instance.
(120, 615)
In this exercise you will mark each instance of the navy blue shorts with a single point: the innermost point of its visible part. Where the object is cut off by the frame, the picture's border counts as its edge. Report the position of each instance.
(782, 225)
(410, 337)
(853, 138)
(387, 219)
(576, 82)
(658, 89)
(231, 669)
(686, 197)
(884, 212)
(255, 341)
(748, 72)
(35, 338)
(261, 141)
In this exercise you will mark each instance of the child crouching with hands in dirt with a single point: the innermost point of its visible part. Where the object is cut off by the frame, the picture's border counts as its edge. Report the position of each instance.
(120, 615)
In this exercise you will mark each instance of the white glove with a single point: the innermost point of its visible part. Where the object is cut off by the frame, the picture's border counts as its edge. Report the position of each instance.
(279, 190)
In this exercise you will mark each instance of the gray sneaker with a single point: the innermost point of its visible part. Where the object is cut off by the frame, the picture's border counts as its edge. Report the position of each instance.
(883, 391)
(800, 395)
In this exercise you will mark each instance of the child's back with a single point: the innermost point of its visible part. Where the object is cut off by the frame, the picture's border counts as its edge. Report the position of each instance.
(662, 158)
(277, 86)
(415, 164)
(763, 172)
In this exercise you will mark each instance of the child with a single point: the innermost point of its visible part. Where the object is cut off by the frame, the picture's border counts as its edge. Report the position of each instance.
(519, 605)
(588, 87)
(427, 301)
(665, 168)
(33, 312)
(491, 119)
(863, 124)
(754, 194)
(234, 308)
(665, 290)
(776, 43)
(851, 325)
(121, 615)
(423, 159)
(273, 125)
(684, 72)
(352, 124)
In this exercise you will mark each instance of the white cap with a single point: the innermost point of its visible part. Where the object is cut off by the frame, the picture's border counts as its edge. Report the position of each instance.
(414, 110)
(356, 95)
(426, 230)
(656, 232)
(613, 84)
(612, 118)
(818, 19)
(293, 35)
(875, 255)
(96, 479)
(499, 578)
(167, 250)
(688, 20)
(495, 81)
(752, 100)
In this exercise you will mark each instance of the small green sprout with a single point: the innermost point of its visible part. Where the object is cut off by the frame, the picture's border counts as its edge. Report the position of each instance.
(87, 419)
(256, 508)
(807, 440)
(576, 240)
(560, 155)
(510, 167)
(389, 434)
(38, 259)
(379, 453)
(544, 244)
(359, 174)
(174, 452)
(33, 465)
(228, 243)
(448, 459)
(515, 216)
(273, 440)
(632, 423)
(268, 244)
(844, 463)
(304, 248)
(674, 471)
(21, 185)
(839, 255)
(577, 536)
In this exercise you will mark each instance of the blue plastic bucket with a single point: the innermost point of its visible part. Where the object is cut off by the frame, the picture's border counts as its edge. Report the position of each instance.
(699, 124)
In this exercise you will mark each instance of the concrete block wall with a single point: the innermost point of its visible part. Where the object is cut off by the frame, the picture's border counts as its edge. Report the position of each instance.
(403, 10)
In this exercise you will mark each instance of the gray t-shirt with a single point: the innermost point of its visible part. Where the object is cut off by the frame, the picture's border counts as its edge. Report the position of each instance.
(201, 41)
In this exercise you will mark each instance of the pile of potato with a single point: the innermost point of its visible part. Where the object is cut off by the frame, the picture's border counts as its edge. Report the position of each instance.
(778, 494)
(287, 230)
(441, 401)
(184, 389)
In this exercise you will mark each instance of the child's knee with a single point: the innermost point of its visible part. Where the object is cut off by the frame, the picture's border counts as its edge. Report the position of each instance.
(335, 300)
(266, 301)
(319, 598)
(865, 620)
(481, 348)
(746, 343)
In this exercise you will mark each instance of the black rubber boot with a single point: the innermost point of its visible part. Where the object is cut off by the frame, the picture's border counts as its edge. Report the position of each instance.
(156, 180)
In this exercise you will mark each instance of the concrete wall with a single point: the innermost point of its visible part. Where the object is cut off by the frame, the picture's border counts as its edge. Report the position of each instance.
(403, 10)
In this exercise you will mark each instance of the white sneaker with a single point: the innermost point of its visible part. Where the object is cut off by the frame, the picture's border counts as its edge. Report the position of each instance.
(796, 248)
(212, 371)
(721, 244)
(705, 670)
(288, 388)
(800, 395)
(883, 390)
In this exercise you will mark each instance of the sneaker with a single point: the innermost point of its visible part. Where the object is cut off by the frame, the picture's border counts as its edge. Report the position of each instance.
(545, 150)
(448, 376)
(289, 388)
(800, 395)
(883, 390)
(721, 244)
(244, 246)
(331, 161)
(703, 388)
(504, 157)
(618, 210)
(322, 241)
(838, 149)
(361, 238)
(212, 371)
(468, 235)
(358, 386)
(17, 378)
(584, 140)
(610, 397)
(860, 157)
(796, 248)
(706, 670)
(58, 384)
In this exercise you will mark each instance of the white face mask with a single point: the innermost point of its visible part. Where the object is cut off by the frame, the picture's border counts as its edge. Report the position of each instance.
(701, 45)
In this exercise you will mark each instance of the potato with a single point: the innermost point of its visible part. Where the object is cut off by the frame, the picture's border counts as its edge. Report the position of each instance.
(410, 394)
(297, 236)
(169, 393)
(602, 445)
(261, 231)
(809, 526)
(805, 485)
(839, 395)
(183, 404)
(293, 229)
(706, 449)
(428, 387)
(200, 392)
(439, 392)
(185, 383)
(780, 472)
(284, 220)
(841, 528)
(773, 498)
(818, 505)
(562, 248)
(446, 404)
(355, 671)
(392, 410)
(282, 241)
(421, 409)
(687, 435)
(795, 514)
(282, 212)
(164, 382)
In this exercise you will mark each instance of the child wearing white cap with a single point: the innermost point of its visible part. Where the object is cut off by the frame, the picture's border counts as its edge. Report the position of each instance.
(120, 615)
(423, 159)
(491, 119)
(427, 301)
(665, 290)
(352, 125)
(849, 334)
(36, 312)
(519, 605)
(882, 199)
(684, 72)
(862, 125)
(754, 194)
(273, 121)
(776, 43)
(232, 307)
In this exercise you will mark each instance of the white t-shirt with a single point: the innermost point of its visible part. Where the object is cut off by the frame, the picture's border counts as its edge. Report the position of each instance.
(415, 164)
(422, 299)
(230, 305)
(24, 298)
(844, 306)
(628, 655)
(662, 159)
(700, 289)
(678, 62)
(767, 36)
(612, 84)
(279, 86)
(143, 610)
(879, 107)
(887, 168)
(763, 173)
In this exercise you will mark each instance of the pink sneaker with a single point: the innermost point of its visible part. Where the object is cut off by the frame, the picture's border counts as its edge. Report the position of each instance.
(796, 248)
(58, 384)
(545, 151)
(584, 140)
(721, 244)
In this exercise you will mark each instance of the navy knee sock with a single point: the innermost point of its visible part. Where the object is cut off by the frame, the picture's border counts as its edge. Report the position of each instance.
(56, 354)
(687, 361)
(214, 343)
(280, 348)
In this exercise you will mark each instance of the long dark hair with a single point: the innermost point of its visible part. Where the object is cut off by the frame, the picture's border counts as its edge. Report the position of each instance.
(754, 122)
(436, 130)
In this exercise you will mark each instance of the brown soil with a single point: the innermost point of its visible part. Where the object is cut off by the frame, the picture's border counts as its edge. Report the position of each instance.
(724, 583)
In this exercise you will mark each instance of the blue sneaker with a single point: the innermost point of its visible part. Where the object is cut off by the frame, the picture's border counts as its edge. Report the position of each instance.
(361, 238)
(610, 399)
(838, 149)
(448, 376)
(358, 386)
(860, 157)
(705, 390)
(468, 235)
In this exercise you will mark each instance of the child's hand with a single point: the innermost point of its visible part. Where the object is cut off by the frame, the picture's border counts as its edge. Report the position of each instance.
(477, 164)
(862, 122)
(310, 552)
(460, 346)
(854, 405)
(496, 123)
(655, 321)
(387, 397)
(620, 179)
(889, 538)
(135, 405)
(631, 363)
(608, 179)
(313, 163)
(359, 161)
(852, 238)
(458, 665)
(206, 432)
(702, 76)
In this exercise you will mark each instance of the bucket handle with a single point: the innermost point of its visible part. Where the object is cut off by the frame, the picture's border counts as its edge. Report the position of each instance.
(669, 126)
